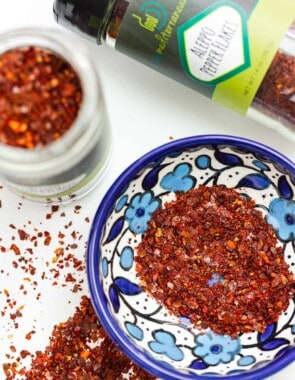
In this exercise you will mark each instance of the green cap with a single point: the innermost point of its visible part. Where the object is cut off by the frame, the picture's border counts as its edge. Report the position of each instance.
(84, 17)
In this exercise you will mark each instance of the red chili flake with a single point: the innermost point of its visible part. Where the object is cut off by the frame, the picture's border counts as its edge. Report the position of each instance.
(54, 208)
(77, 209)
(76, 288)
(61, 235)
(70, 278)
(15, 249)
(277, 90)
(24, 354)
(211, 256)
(79, 349)
(40, 96)
(22, 234)
(29, 334)
(47, 240)
(12, 348)
(74, 234)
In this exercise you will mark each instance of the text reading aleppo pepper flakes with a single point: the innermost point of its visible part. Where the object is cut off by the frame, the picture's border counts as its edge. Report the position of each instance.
(40, 96)
(210, 255)
(79, 349)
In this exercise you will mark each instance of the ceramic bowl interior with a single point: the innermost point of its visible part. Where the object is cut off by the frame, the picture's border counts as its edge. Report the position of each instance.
(163, 344)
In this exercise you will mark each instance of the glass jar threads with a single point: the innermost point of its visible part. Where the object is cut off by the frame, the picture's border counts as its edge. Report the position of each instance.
(55, 136)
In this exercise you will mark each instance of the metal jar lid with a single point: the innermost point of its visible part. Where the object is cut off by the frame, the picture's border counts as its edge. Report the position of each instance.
(84, 17)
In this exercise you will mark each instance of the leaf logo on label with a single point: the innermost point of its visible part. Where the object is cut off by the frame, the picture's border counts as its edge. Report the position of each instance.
(213, 45)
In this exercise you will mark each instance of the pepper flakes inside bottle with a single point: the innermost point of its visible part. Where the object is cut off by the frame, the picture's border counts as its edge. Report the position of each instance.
(277, 91)
(40, 97)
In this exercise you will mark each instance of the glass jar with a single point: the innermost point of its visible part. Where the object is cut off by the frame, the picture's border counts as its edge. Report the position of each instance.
(71, 166)
(219, 49)
(274, 102)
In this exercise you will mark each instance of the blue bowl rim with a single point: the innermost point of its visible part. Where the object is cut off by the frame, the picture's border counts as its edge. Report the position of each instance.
(92, 258)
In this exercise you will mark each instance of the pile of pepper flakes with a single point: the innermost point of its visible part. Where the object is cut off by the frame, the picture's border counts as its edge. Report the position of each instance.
(210, 255)
(79, 349)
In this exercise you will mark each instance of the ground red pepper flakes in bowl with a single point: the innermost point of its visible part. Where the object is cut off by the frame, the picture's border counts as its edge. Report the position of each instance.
(40, 97)
(209, 255)
(167, 344)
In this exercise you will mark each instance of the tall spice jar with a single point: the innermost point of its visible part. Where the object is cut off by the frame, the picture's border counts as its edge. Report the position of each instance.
(239, 53)
(74, 162)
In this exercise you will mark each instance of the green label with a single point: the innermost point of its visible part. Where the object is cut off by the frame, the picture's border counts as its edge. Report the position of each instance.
(213, 45)
(221, 49)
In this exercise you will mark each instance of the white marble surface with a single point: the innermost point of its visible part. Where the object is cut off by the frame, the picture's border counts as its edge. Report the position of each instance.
(146, 110)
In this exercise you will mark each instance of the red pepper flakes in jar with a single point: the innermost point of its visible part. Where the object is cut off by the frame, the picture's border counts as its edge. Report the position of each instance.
(40, 96)
(55, 134)
(210, 255)
(277, 91)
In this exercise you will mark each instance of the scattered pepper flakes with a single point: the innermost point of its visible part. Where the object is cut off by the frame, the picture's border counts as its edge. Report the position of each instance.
(82, 359)
(79, 349)
(215, 261)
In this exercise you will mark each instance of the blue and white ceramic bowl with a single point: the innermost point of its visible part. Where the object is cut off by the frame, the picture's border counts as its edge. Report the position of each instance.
(162, 344)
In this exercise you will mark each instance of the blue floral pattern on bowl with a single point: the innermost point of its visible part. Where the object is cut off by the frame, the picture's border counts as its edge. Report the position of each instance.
(281, 216)
(215, 349)
(166, 345)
